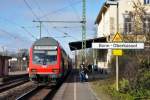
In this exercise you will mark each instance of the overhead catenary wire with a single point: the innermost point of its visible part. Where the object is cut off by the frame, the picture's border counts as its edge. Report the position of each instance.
(58, 21)
(61, 9)
(29, 33)
(4, 31)
(31, 9)
(65, 33)
(72, 27)
(40, 9)
(70, 4)
(12, 36)
(74, 9)
(10, 21)
(42, 12)
(34, 14)
(17, 25)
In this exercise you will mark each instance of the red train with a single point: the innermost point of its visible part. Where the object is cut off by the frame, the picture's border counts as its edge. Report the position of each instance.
(48, 61)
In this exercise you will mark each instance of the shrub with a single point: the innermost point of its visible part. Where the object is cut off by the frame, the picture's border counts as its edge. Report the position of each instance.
(124, 85)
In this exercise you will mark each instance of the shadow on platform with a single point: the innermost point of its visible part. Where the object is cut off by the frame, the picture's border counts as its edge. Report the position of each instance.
(92, 76)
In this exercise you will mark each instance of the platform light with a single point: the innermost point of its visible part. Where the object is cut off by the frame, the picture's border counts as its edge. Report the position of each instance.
(24, 58)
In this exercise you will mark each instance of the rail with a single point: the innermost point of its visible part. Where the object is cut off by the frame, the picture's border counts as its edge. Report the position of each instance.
(13, 84)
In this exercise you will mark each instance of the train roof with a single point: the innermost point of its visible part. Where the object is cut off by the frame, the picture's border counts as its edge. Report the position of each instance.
(46, 41)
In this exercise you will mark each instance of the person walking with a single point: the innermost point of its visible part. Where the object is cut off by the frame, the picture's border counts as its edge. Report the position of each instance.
(81, 73)
(85, 73)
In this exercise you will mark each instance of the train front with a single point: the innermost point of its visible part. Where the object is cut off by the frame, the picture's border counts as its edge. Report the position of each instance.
(44, 64)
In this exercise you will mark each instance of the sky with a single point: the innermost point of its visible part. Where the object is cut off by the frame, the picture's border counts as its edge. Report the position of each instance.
(17, 29)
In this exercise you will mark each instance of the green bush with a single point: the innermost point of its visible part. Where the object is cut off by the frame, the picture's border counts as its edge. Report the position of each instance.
(117, 95)
(124, 85)
(134, 84)
(141, 90)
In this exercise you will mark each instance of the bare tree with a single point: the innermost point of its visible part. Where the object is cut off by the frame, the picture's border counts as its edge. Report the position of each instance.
(138, 15)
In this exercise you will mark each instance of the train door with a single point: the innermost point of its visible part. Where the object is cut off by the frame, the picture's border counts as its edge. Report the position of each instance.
(62, 63)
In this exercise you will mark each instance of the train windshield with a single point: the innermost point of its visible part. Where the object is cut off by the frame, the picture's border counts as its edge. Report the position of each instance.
(45, 57)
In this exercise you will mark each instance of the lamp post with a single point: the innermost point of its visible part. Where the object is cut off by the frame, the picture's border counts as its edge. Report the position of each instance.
(117, 29)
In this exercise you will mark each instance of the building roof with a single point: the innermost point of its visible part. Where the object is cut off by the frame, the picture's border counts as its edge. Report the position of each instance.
(103, 10)
(77, 45)
(5, 56)
(46, 41)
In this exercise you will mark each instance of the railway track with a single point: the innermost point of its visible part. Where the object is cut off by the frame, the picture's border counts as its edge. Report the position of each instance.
(12, 84)
(37, 93)
(42, 92)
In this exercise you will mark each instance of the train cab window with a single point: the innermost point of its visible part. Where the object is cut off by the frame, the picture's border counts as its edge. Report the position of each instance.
(45, 57)
(51, 57)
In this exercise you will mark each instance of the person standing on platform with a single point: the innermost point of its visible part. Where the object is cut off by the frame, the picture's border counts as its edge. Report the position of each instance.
(82, 72)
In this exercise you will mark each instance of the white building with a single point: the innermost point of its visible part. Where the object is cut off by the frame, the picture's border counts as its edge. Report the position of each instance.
(106, 24)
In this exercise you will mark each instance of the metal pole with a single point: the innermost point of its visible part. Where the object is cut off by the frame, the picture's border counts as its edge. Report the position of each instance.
(75, 59)
(117, 74)
(83, 30)
(40, 29)
(3, 48)
(58, 21)
(117, 29)
(93, 55)
(117, 18)
(148, 60)
(117, 65)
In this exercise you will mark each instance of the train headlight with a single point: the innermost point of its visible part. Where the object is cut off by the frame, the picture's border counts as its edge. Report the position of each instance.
(33, 70)
(28, 69)
(55, 70)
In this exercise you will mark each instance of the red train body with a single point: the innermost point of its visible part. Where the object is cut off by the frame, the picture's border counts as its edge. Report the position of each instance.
(48, 62)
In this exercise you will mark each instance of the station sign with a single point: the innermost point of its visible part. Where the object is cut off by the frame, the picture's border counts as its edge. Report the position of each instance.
(117, 38)
(117, 52)
(118, 45)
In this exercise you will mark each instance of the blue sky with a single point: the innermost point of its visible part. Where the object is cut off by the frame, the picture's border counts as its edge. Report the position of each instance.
(18, 31)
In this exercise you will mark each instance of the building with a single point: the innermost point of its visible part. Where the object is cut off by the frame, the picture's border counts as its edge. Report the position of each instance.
(106, 25)
(4, 65)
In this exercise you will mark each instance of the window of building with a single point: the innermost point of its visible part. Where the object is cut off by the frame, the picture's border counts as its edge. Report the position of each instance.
(146, 1)
(146, 24)
(127, 25)
(112, 25)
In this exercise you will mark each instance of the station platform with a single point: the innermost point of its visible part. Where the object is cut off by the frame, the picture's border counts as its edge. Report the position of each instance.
(73, 89)
(17, 73)
(13, 76)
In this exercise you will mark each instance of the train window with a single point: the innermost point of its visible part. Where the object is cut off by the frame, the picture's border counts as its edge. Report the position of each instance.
(45, 57)
(51, 53)
(51, 57)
